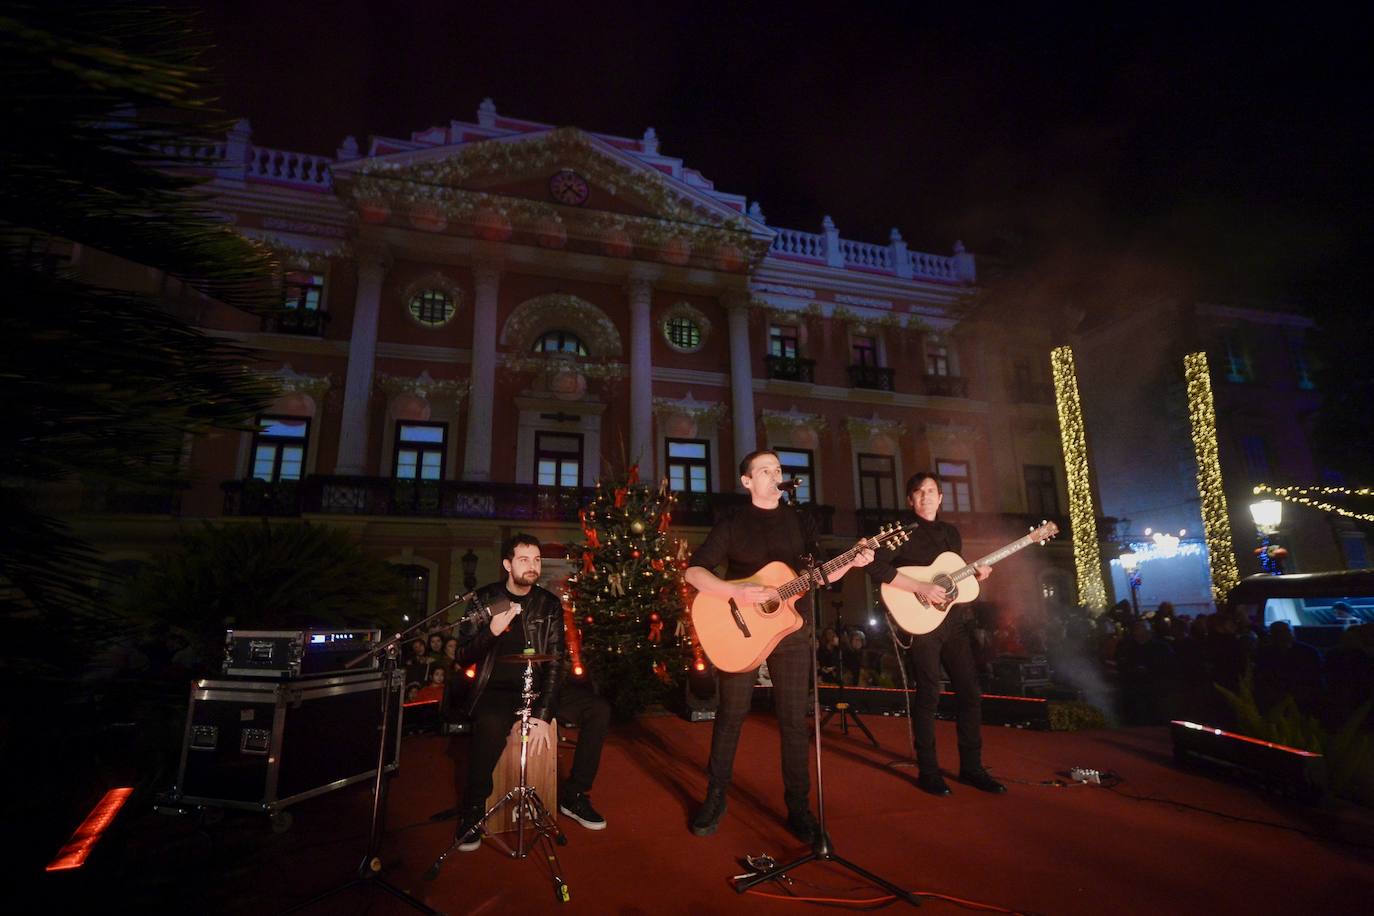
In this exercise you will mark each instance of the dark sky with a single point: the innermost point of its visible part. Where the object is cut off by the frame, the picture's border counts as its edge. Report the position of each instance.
(1231, 151)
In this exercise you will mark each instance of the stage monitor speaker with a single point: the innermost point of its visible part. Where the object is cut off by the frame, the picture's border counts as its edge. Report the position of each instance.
(702, 698)
(263, 743)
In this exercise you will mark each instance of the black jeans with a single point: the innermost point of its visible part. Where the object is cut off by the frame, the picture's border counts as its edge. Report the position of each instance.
(581, 706)
(949, 644)
(789, 666)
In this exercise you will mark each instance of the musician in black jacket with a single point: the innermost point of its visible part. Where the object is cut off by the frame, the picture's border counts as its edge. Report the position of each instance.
(495, 696)
(949, 643)
(757, 534)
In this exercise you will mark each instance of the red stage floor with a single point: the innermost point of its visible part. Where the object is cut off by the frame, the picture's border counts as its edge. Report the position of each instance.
(1203, 844)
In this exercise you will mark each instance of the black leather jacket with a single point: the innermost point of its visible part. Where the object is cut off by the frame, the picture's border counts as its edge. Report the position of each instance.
(541, 615)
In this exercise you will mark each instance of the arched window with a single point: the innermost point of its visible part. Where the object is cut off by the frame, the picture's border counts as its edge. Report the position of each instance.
(560, 342)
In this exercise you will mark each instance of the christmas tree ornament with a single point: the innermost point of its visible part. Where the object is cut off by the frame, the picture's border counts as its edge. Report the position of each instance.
(637, 526)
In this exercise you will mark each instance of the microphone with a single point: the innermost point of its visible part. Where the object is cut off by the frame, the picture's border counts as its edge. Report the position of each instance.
(787, 486)
(484, 613)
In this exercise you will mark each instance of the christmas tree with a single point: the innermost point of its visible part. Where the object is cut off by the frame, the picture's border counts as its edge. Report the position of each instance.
(627, 625)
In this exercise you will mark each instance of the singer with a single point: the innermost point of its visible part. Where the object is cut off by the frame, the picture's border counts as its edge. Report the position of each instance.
(751, 538)
(496, 694)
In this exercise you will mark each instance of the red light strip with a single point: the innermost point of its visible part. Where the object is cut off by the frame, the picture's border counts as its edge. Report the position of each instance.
(78, 848)
(1246, 738)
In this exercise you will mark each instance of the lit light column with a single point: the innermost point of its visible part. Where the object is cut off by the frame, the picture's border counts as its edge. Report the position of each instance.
(362, 358)
(482, 392)
(641, 377)
(741, 375)
(1216, 523)
(1087, 557)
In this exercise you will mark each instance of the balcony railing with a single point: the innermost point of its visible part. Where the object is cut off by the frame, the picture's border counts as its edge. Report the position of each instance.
(876, 377)
(262, 497)
(309, 322)
(790, 368)
(340, 495)
(945, 386)
(1003, 527)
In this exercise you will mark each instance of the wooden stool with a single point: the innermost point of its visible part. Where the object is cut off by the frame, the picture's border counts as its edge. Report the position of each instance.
(541, 774)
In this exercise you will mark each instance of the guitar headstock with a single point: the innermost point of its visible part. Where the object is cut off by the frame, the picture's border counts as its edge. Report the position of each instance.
(892, 535)
(1044, 533)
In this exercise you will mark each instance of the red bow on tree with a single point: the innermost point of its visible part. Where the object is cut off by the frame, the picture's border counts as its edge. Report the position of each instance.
(587, 561)
(634, 473)
(620, 494)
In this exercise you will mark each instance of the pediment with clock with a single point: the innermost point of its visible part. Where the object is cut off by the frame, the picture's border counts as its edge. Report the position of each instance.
(555, 187)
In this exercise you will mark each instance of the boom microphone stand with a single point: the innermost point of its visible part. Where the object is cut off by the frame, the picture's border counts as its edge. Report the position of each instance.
(821, 850)
(369, 871)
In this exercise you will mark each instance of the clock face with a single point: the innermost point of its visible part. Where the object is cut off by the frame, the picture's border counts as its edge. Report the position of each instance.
(568, 187)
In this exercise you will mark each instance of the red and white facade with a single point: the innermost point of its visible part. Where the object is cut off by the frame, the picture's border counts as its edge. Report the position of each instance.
(488, 314)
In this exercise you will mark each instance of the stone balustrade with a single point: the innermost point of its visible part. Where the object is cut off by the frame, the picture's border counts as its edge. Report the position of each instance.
(865, 256)
(285, 167)
(799, 244)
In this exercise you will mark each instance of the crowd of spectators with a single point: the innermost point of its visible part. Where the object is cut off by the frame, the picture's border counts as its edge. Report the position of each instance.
(430, 662)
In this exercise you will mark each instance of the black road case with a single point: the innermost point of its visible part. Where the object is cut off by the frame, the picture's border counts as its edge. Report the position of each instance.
(264, 743)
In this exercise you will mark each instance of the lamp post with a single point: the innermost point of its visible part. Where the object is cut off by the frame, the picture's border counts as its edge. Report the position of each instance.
(1268, 515)
(1130, 563)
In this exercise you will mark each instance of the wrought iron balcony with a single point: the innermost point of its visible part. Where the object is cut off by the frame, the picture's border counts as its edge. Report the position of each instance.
(1000, 526)
(875, 377)
(340, 495)
(307, 322)
(790, 368)
(945, 386)
(262, 497)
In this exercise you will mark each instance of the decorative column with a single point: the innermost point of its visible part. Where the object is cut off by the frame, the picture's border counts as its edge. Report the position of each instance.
(362, 357)
(641, 377)
(741, 375)
(477, 447)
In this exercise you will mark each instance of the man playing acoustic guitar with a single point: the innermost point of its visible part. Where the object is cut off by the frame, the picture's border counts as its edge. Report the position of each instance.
(760, 533)
(948, 643)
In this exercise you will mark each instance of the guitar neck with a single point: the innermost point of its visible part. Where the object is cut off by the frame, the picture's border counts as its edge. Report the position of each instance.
(802, 584)
(995, 557)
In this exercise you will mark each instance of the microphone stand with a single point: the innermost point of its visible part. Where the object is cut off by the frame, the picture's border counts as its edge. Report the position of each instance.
(369, 871)
(821, 849)
(841, 704)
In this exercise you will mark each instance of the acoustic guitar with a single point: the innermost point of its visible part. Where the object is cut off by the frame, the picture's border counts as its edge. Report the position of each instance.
(738, 637)
(957, 578)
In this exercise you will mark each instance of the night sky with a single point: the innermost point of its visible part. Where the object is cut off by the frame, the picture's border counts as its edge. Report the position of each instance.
(1205, 155)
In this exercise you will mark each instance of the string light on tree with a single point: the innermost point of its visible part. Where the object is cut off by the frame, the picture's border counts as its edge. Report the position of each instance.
(1082, 517)
(1216, 523)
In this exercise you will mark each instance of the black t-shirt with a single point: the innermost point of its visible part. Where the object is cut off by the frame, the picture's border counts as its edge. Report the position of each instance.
(927, 541)
(510, 675)
(751, 538)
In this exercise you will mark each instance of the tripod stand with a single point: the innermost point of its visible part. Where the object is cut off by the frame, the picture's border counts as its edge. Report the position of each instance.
(841, 705)
(369, 871)
(821, 850)
(526, 801)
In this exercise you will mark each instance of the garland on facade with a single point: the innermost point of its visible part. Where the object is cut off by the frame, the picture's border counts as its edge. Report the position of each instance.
(1303, 496)
(1216, 522)
(627, 599)
(1082, 517)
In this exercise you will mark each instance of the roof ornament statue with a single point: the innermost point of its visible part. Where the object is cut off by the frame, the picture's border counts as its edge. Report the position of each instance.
(486, 113)
(650, 141)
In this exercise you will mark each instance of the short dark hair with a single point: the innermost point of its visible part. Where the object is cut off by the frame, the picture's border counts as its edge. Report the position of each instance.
(920, 477)
(517, 540)
(748, 459)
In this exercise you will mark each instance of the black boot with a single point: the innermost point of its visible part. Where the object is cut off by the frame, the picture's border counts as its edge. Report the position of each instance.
(706, 819)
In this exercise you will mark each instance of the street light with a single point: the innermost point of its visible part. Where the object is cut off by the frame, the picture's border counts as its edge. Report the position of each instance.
(1268, 515)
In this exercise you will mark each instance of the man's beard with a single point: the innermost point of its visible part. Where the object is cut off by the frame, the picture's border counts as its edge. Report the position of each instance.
(528, 578)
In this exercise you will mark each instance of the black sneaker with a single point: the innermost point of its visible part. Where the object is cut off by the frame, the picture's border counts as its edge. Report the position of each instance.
(705, 821)
(802, 824)
(578, 806)
(469, 832)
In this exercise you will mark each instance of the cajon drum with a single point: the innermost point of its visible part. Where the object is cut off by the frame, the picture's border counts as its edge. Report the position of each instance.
(541, 774)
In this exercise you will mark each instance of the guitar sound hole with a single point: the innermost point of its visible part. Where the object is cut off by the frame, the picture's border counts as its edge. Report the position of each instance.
(946, 583)
(768, 607)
